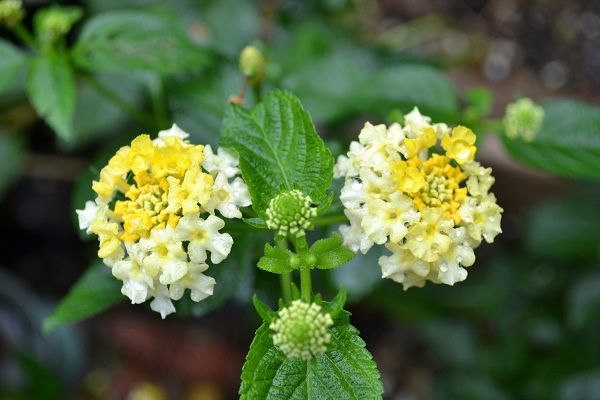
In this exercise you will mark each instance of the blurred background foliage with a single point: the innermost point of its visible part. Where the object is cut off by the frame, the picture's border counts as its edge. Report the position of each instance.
(525, 324)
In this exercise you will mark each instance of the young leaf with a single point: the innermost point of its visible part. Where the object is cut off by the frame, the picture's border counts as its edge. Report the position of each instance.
(96, 291)
(337, 304)
(11, 62)
(345, 371)
(51, 88)
(275, 260)
(256, 222)
(263, 310)
(330, 252)
(127, 40)
(568, 143)
(278, 148)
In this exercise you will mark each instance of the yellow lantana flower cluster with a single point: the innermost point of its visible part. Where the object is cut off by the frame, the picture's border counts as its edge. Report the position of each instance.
(155, 216)
(429, 209)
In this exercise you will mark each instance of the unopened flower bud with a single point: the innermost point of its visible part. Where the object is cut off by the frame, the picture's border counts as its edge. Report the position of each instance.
(11, 13)
(301, 330)
(523, 119)
(290, 212)
(56, 21)
(252, 64)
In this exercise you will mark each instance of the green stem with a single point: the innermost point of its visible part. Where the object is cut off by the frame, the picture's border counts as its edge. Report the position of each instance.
(305, 285)
(129, 109)
(329, 219)
(305, 279)
(285, 278)
(25, 36)
(158, 104)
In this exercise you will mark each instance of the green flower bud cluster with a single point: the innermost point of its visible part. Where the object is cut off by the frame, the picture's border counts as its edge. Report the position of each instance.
(11, 13)
(523, 119)
(301, 330)
(290, 213)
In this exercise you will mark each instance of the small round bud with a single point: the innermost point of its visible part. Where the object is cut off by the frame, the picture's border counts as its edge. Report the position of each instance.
(294, 262)
(311, 260)
(11, 13)
(290, 212)
(301, 330)
(252, 64)
(523, 119)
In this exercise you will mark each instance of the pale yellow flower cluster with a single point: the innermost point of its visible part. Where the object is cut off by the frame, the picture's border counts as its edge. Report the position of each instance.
(429, 209)
(155, 216)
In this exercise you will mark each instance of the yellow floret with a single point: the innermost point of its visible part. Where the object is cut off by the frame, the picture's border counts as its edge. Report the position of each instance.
(460, 144)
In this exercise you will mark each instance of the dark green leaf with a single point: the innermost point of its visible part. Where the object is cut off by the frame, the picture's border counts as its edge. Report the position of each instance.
(51, 88)
(584, 301)
(11, 154)
(96, 291)
(275, 260)
(12, 61)
(568, 143)
(345, 371)
(407, 86)
(127, 40)
(330, 252)
(566, 228)
(278, 148)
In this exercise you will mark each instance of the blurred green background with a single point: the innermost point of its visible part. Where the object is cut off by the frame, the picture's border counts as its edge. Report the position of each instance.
(524, 325)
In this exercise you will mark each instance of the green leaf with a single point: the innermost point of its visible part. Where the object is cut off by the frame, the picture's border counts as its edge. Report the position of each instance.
(11, 154)
(583, 305)
(201, 101)
(275, 260)
(96, 291)
(263, 310)
(345, 371)
(256, 222)
(337, 304)
(12, 61)
(330, 252)
(51, 88)
(566, 229)
(278, 148)
(127, 40)
(568, 143)
(407, 86)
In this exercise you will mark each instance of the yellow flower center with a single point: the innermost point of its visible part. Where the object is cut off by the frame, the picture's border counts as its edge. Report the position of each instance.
(432, 183)
(158, 183)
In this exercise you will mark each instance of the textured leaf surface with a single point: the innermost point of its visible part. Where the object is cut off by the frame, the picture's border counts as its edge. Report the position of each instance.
(568, 143)
(11, 62)
(330, 252)
(123, 41)
(345, 371)
(51, 88)
(275, 260)
(279, 149)
(96, 291)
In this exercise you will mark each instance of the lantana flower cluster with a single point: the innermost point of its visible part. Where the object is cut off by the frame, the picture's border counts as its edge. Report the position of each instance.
(416, 189)
(156, 218)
